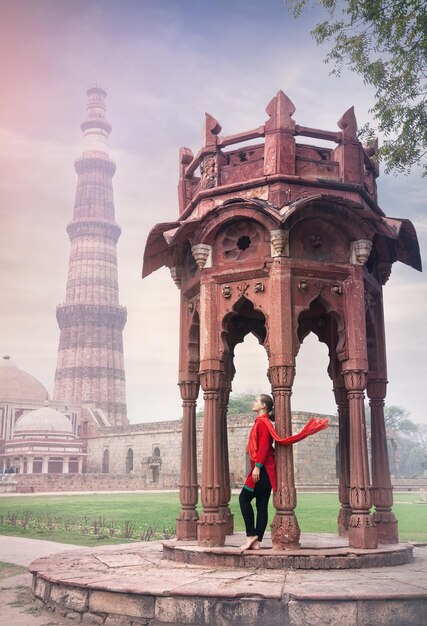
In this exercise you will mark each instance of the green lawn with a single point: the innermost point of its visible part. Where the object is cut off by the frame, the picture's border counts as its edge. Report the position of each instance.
(96, 519)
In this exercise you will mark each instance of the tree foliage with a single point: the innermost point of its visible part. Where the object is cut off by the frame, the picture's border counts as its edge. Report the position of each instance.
(238, 403)
(408, 452)
(385, 42)
(397, 419)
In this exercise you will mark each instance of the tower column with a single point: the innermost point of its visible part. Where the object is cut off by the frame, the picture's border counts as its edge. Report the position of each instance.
(341, 398)
(225, 465)
(186, 523)
(211, 527)
(361, 531)
(65, 465)
(285, 531)
(45, 465)
(382, 490)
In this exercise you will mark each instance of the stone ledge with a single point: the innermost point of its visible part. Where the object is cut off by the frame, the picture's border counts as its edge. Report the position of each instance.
(326, 552)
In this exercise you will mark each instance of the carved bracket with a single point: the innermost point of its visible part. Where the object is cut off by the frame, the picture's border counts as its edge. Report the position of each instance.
(279, 242)
(202, 254)
(360, 251)
(176, 273)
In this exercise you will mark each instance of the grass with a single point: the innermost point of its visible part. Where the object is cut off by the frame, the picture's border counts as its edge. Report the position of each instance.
(10, 569)
(70, 519)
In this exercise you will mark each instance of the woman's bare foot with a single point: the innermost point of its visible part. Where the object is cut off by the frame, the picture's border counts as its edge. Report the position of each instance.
(249, 543)
(255, 546)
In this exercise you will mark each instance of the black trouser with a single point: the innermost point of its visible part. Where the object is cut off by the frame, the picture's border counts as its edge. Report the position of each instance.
(261, 493)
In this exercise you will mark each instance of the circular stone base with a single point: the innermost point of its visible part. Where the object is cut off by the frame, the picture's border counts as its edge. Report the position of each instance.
(133, 584)
(317, 551)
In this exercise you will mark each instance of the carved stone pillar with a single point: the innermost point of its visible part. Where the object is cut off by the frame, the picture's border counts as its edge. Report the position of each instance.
(361, 532)
(66, 465)
(341, 399)
(382, 490)
(186, 522)
(45, 465)
(211, 526)
(30, 466)
(285, 532)
(225, 495)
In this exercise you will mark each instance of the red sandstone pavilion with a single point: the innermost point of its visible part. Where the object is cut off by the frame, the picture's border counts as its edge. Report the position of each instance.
(281, 239)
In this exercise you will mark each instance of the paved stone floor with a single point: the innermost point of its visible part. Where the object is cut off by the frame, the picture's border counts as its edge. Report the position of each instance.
(133, 584)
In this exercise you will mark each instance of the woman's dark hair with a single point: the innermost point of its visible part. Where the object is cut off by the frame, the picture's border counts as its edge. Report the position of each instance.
(268, 401)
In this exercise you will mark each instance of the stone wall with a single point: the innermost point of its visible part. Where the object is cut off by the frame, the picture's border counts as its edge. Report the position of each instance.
(39, 483)
(315, 458)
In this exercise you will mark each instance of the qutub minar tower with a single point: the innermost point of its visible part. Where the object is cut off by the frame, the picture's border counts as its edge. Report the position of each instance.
(90, 367)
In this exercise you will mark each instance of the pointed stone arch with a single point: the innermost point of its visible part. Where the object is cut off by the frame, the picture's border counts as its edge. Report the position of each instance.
(129, 461)
(106, 461)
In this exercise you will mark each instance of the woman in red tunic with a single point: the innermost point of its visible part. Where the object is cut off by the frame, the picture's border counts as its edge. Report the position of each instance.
(262, 477)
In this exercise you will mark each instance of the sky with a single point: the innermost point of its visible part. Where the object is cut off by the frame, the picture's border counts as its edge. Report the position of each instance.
(164, 63)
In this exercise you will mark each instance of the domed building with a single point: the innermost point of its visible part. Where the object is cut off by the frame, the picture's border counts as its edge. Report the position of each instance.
(25, 419)
(44, 443)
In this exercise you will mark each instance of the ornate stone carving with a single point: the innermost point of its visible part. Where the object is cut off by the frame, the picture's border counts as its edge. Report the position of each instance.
(189, 390)
(210, 380)
(176, 273)
(336, 288)
(360, 498)
(69, 315)
(240, 240)
(258, 287)
(384, 271)
(243, 288)
(282, 376)
(285, 532)
(201, 253)
(377, 389)
(208, 171)
(226, 291)
(279, 242)
(355, 380)
(370, 302)
(303, 285)
(361, 521)
(360, 251)
(315, 241)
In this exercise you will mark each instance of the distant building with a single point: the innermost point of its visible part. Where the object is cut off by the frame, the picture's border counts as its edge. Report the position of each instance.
(90, 366)
(37, 436)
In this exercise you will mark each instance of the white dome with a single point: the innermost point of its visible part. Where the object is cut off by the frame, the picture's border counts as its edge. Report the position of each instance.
(17, 385)
(43, 421)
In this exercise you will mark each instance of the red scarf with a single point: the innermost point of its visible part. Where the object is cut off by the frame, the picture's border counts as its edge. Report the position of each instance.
(314, 425)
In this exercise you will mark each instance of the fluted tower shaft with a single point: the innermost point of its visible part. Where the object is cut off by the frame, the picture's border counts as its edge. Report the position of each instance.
(90, 367)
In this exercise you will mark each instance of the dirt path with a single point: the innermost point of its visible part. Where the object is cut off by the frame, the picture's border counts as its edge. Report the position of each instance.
(17, 605)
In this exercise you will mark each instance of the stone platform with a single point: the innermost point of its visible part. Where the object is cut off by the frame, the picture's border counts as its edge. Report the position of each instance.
(132, 584)
(317, 551)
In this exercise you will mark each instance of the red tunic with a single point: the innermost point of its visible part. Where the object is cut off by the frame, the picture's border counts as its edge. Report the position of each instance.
(260, 445)
(262, 453)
